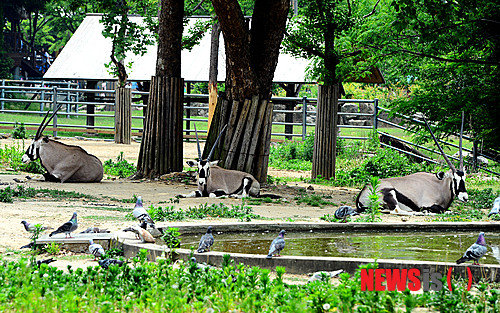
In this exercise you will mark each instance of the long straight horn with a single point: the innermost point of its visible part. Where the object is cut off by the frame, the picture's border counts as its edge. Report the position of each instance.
(48, 121)
(215, 144)
(460, 143)
(440, 149)
(38, 132)
(197, 142)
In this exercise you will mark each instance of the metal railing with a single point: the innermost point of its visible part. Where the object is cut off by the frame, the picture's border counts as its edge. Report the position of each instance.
(83, 102)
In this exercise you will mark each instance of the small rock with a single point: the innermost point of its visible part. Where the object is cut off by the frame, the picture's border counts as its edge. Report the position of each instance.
(310, 187)
(404, 218)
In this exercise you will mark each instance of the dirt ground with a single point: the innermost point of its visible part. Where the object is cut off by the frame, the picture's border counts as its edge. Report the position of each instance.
(107, 212)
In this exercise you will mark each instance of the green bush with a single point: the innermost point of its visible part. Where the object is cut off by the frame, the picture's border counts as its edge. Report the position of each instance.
(241, 212)
(120, 168)
(19, 131)
(154, 287)
(11, 156)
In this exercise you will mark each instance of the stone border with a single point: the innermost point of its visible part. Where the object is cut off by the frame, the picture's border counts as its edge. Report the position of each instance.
(305, 265)
(334, 227)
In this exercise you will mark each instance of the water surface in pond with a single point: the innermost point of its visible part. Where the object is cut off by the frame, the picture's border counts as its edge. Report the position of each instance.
(433, 246)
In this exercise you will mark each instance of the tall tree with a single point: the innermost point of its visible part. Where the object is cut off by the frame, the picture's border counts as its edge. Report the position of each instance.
(448, 52)
(161, 146)
(126, 34)
(318, 33)
(252, 49)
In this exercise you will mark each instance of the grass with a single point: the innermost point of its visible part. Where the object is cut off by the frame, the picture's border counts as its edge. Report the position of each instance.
(106, 218)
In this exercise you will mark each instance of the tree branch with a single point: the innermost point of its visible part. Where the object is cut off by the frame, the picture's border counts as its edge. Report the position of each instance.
(373, 11)
(448, 60)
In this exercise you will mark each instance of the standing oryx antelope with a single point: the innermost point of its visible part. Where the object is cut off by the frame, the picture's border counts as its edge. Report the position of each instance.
(215, 181)
(420, 191)
(64, 163)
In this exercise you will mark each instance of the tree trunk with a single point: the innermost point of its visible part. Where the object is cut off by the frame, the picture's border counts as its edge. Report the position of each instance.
(325, 137)
(161, 146)
(251, 59)
(123, 115)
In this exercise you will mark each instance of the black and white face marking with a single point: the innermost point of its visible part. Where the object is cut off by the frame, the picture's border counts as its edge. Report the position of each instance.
(31, 153)
(459, 186)
(203, 172)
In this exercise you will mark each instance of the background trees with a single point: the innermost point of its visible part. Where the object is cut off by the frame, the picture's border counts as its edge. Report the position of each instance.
(447, 54)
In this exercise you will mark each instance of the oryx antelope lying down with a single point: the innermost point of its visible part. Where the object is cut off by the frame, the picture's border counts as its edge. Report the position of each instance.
(63, 163)
(214, 181)
(422, 191)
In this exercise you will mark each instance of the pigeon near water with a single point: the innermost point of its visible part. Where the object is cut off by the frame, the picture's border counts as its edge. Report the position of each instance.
(142, 215)
(94, 230)
(96, 249)
(107, 262)
(141, 233)
(496, 207)
(475, 252)
(324, 276)
(200, 266)
(30, 227)
(206, 241)
(67, 228)
(344, 211)
(277, 245)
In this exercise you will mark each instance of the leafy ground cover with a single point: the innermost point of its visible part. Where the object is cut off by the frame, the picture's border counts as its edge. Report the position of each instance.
(153, 287)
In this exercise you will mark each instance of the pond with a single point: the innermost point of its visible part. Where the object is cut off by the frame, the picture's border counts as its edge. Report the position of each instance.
(431, 246)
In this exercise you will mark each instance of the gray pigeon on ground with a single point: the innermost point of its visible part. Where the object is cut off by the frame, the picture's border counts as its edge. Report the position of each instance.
(142, 215)
(30, 227)
(46, 261)
(206, 241)
(277, 245)
(67, 227)
(324, 276)
(200, 266)
(96, 249)
(107, 262)
(475, 252)
(344, 211)
(496, 207)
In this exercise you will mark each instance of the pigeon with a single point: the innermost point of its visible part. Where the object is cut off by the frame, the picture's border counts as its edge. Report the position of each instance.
(475, 252)
(46, 261)
(206, 241)
(96, 249)
(324, 275)
(496, 207)
(94, 230)
(344, 211)
(277, 245)
(141, 233)
(28, 246)
(142, 215)
(67, 227)
(30, 227)
(200, 266)
(107, 262)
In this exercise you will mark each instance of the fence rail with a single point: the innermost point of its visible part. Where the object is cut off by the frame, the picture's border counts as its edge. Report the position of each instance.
(297, 114)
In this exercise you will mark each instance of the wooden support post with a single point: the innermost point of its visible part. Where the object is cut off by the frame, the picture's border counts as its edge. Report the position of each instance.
(123, 115)
(325, 136)
(213, 71)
